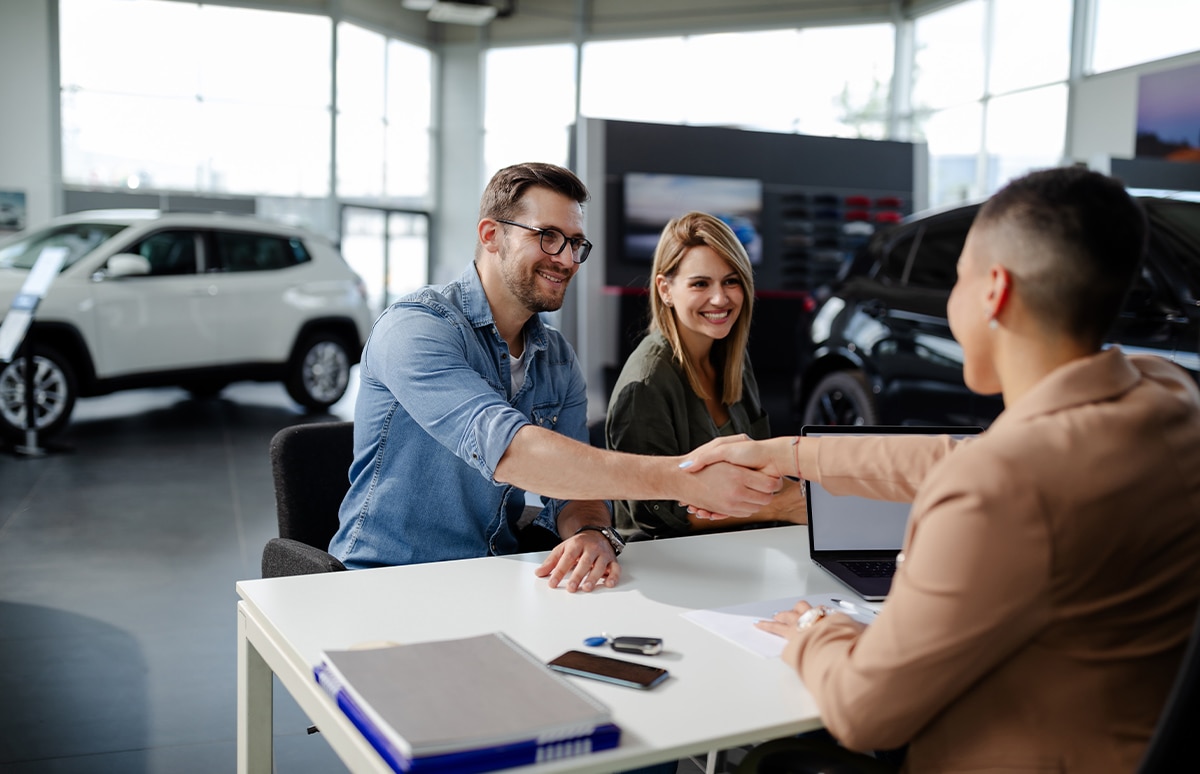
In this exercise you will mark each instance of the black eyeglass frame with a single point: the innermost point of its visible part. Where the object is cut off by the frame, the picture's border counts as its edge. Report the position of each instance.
(578, 254)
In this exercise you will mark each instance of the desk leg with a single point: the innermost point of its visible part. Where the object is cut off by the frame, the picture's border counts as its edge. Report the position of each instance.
(255, 738)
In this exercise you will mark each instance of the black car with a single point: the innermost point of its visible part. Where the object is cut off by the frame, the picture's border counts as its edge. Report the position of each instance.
(879, 349)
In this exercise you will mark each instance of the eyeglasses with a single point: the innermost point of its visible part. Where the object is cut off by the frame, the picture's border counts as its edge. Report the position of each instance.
(553, 241)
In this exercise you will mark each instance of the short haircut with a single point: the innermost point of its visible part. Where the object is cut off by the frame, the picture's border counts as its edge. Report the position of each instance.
(1075, 241)
(697, 229)
(502, 197)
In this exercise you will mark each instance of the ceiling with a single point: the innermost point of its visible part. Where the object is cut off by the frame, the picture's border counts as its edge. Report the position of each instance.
(536, 21)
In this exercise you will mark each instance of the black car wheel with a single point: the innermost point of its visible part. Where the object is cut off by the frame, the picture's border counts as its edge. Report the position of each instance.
(53, 398)
(319, 372)
(841, 398)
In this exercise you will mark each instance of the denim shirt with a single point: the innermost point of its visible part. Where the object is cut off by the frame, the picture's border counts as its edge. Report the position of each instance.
(432, 420)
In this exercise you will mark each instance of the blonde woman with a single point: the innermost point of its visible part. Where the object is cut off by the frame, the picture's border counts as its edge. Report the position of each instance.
(690, 379)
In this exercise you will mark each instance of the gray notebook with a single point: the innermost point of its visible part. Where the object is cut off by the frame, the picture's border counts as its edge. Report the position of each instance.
(477, 694)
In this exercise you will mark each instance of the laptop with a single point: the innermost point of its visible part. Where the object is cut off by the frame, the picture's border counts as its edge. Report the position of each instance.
(856, 539)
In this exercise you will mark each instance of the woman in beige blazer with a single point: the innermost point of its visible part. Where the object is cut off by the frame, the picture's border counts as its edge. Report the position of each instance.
(1050, 574)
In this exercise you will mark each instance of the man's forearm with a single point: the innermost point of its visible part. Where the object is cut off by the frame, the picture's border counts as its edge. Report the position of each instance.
(550, 464)
(553, 465)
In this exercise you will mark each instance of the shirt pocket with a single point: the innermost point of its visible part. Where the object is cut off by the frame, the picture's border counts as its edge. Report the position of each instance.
(546, 415)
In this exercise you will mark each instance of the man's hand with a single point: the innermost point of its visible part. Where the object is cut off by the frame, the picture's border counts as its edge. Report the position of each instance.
(731, 490)
(585, 561)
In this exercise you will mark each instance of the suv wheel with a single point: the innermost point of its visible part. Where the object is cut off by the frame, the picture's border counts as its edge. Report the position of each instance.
(319, 372)
(54, 394)
(841, 398)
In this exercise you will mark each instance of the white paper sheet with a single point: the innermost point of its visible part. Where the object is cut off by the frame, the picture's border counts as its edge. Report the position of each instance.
(736, 622)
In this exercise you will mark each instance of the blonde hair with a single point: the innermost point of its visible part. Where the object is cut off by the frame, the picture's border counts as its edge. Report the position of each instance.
(697, 229)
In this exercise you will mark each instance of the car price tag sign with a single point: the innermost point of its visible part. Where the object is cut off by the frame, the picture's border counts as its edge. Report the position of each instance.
(20, 316)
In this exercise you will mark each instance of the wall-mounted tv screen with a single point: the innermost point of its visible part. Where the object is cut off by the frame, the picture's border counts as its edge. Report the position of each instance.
(653, 199)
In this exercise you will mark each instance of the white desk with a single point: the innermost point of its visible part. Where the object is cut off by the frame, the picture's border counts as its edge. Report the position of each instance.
(719, 695)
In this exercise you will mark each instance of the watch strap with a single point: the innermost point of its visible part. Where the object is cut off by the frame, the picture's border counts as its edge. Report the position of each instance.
(614, 539)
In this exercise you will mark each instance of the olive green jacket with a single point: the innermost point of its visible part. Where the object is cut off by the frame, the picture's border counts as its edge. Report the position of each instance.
(653, 410)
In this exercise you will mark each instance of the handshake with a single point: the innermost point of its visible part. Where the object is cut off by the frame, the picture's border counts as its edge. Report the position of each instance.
(735, 477)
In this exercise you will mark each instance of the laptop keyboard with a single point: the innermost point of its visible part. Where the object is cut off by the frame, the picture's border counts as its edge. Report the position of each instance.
(866, 568)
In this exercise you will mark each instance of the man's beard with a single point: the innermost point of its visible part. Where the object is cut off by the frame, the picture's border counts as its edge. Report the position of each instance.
(524, 285)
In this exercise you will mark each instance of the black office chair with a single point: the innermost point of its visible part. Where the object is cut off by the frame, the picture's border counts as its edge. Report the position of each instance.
(309, 463)
(1174, 737)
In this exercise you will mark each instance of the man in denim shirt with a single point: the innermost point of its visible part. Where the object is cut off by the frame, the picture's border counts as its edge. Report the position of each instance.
(467, 399)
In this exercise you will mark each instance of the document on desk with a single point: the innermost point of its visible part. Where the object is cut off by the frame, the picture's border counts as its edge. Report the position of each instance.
(736, 622)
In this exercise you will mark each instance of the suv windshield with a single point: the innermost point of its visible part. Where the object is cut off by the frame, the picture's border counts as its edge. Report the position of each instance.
(78, 238)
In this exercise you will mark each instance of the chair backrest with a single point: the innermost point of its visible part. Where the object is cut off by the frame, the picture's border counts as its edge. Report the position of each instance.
(1175, 735)
(310, 465)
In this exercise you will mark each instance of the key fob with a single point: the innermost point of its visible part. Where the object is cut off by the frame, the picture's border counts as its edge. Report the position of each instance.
(644, 646)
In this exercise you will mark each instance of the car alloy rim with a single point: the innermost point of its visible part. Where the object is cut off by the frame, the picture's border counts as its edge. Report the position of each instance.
(838, 408)
(49, 393)
(326, 371)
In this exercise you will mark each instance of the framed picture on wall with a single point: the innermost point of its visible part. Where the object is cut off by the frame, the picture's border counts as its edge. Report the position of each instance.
(1168, 119)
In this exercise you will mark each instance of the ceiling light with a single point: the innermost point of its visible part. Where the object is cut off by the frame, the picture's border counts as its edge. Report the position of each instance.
(418, 5)
(462, 12)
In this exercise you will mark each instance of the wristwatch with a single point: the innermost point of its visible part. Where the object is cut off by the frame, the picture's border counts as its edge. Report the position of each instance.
(618, 545)
(811, 616)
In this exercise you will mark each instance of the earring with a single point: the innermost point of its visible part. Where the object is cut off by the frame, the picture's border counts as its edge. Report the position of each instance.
(993, 324)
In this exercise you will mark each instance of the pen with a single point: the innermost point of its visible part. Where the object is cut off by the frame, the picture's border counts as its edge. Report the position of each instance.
(853, 608)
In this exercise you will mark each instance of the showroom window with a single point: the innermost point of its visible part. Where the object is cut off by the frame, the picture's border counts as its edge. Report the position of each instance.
(384, 115)
(181, 96)
(831, 81)
(1131, 32)
(389, 249)
(521, 124)
(975, 87)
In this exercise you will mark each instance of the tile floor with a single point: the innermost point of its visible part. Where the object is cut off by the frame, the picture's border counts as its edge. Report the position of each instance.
(118, 558)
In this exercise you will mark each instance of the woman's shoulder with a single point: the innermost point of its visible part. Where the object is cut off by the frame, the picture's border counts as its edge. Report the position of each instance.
(651, 358)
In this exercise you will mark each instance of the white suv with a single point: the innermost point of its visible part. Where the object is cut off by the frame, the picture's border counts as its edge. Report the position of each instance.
(149, 299)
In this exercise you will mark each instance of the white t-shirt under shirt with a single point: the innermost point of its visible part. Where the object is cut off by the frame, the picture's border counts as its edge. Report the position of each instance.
(516, 372)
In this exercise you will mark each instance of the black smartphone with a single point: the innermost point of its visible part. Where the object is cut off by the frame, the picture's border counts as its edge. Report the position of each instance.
(609, 670)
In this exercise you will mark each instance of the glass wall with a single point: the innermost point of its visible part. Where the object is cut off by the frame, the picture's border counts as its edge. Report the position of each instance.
(975, 87)
(388, 249)
(384, 116)
(1130, 32)
(831, 81)
(526, 118)
(204, 99)
(177, 96)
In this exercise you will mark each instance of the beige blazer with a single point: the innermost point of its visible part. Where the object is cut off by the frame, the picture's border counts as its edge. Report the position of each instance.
(1048, 582)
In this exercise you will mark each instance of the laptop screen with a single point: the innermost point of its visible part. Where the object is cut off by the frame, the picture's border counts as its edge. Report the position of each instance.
(850, 523)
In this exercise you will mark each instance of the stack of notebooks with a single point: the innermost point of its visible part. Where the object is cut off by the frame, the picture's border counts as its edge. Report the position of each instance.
(465, 705)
